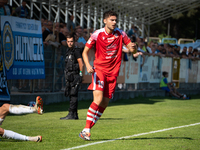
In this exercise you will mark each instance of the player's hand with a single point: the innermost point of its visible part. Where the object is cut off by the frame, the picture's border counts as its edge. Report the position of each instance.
(90, 69)
(137, 54)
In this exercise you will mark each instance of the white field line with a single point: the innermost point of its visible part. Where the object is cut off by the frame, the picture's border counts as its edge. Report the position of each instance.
(127, 137)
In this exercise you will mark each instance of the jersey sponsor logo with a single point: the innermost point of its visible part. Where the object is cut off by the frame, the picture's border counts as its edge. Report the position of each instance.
(113, 46)
(90, 40)
(111, 39)
(8, 45)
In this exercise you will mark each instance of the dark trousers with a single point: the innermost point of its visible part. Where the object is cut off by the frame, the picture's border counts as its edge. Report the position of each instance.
(73, 103)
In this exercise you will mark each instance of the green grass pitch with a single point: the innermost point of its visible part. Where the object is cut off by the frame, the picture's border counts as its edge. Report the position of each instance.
(121, 118)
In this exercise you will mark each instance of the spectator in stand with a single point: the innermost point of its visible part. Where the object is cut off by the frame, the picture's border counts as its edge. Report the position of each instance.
(71, 25)
(79, 32)
(198, 54)
(154, 53)
(178, 49)
(63, 24)
(159, 49)
(131, 32)
(60, 36)
(47, 34)
(165, 45)
(22, 11)
(79, 40)
(184, 49)
(195, 53)
(44, 25)
(156, 45)
(91, 31)
(153, 49)
(190, 56)
(140, 47)
(148, 48)
(189, 52)
(170, 51)
(47, 31)
(7, 7)
(175, 51)
(136, 32)
(140, 40)
(65, 31)
(164, 51)
(183, 54)
(4, 9)
(86, 34)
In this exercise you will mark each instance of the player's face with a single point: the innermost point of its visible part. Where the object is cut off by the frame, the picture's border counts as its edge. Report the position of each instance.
(70, 42)
(110, 22)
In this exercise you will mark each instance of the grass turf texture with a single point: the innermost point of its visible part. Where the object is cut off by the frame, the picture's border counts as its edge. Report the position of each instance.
(121, 118)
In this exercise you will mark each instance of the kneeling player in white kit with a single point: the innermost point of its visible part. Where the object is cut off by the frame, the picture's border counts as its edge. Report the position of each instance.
(5, 109)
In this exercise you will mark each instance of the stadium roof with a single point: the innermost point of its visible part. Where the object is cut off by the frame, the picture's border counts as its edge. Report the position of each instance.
(90, 12)
(147, 11)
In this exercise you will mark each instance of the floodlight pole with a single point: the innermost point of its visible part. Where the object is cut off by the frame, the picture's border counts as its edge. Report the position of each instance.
(74, 12)
(168, 31)
(31, 14)
(148, 32)
(66, 12)
(88, 18)
(142, 27)
(82, 15)
(119, 21)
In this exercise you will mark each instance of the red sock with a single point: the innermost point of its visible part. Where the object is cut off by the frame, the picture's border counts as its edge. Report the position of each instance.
(93, 115)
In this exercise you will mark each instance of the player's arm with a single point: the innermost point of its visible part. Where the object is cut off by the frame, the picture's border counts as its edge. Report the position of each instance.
(86, 60)
(124, 49)
(80, 63)
(132, 47)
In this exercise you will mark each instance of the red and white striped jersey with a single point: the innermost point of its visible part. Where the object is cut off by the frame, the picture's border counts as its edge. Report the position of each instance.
(108, 50)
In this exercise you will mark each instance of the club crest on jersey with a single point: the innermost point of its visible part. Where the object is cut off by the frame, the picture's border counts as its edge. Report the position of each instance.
(116, 35)
(8, 45)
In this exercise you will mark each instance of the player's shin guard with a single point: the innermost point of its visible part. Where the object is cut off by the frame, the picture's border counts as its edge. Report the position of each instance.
(13, 135)
(93, 115)
(21, 109)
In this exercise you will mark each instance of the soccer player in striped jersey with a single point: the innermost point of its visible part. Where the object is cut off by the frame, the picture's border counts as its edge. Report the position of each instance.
(107, 43)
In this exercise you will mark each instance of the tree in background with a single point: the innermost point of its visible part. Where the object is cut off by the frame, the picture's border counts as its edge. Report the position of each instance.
(183, 25)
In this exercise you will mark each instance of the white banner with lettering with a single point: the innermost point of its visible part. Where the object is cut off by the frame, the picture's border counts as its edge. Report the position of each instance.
(132, 70)
(167, 66)
(183, 76)
(198, 74)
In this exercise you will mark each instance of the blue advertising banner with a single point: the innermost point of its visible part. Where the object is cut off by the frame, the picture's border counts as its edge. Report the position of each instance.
(4, 93)
(23, 48)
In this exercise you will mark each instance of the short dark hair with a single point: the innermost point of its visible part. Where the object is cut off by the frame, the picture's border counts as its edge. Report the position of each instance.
(71, 35)
(108, 14)
(164, 73)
